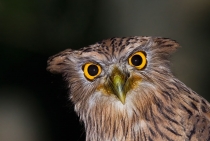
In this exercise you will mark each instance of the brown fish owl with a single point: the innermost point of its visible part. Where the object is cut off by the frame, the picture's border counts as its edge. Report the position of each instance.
(123, 90)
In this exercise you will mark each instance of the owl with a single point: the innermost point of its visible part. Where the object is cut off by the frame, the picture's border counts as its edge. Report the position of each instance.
(123, 90)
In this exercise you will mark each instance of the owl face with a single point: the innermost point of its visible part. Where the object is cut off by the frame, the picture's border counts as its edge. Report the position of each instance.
(116, 77)
(114, 70)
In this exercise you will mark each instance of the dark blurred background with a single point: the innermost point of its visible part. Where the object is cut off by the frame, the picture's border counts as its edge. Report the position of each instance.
(34, 104)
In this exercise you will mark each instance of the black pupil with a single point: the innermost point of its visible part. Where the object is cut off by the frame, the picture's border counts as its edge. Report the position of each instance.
(93, 70)
(136, 60)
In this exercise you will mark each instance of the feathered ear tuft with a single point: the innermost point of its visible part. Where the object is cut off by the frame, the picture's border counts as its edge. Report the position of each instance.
(58, 63)
(165, 45)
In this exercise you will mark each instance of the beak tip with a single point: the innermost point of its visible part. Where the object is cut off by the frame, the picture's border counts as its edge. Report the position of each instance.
(122, 101)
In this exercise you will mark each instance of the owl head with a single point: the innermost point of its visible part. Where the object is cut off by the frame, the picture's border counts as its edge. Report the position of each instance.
(117, 73)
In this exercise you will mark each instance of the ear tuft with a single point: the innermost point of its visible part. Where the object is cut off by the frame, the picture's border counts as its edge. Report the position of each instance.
(58, 63)
(166, 45)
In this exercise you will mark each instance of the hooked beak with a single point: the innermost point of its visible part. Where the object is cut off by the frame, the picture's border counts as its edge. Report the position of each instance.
(117, 84)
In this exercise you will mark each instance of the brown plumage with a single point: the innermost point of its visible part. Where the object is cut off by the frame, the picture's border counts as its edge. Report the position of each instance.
(123, 90)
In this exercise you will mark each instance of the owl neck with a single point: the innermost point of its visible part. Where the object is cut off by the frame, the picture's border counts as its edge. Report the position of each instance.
(113, 122)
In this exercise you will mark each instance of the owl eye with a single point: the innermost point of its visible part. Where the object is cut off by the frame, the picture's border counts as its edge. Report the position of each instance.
(138, 60)
(91, 70)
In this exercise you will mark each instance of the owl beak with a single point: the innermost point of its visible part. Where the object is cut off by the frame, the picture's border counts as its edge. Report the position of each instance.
(117, 83)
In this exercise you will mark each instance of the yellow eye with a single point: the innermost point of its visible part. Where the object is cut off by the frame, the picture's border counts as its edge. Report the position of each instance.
(138, 60)
(91, 70)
